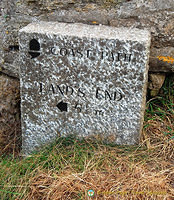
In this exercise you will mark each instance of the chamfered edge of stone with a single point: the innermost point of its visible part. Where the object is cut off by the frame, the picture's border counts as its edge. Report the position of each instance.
(90, 31)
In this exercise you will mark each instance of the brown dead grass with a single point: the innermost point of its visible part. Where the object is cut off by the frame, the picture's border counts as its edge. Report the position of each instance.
(135, 183)
(155, 138)
(10, 131)
(138, 175)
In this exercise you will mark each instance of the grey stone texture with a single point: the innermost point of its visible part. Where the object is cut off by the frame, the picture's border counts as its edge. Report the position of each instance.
(155, 15)
(83, 80)
(155, 83)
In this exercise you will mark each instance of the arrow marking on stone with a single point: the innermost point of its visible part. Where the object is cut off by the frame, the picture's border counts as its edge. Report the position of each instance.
(62, 106)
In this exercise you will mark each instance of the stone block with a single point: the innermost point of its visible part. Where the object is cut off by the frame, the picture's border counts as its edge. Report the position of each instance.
(84, 80)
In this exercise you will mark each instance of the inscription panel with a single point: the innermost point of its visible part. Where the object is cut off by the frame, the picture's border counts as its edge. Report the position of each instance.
(84, 80)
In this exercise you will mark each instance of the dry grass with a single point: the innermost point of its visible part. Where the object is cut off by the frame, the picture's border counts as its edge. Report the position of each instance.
(113, 172)
(135, 182)
(155, 138)
(122, 173)
(140, 174)
(70, 167)
(10, 132)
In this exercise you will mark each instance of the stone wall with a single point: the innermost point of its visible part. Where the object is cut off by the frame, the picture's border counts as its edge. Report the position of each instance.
(154, 15)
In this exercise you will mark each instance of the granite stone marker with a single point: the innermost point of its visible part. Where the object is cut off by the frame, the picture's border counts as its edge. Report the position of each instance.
(84, 80)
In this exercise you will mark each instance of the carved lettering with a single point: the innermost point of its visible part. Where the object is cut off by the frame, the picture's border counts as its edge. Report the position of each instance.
(72, 52)
(91, 54)
(69, 90)
(118, 96)
(107, 94)
(78, 107)
(51, 89)
(63, 51)
(128, 57)
(66, 90)
(61, 90)
(41, 87)
(119, 56)
(79, 53)
(80, 93)
(98, 94)
(54, 51)
(99, 112)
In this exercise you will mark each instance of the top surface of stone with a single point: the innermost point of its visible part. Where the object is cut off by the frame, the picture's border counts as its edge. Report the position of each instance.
(83, 30)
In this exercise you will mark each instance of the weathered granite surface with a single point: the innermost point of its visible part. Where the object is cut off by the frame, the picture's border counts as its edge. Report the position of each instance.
(84, 80)
(155, 15)
(155, 83)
